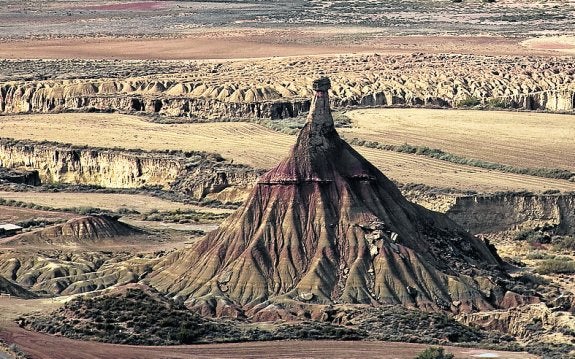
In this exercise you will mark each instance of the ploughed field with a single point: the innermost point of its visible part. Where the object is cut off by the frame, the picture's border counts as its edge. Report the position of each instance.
(106, 201)
(514, 139)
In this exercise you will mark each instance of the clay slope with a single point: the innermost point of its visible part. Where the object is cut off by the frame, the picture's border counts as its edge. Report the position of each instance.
(325, 226)
(13, 289)
(80, 230)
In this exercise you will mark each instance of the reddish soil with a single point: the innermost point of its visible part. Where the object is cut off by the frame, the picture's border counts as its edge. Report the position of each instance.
(136, 6)
(231, 44)
(43, 346)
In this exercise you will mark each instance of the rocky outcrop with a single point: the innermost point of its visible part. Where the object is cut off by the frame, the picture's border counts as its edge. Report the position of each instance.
(493, 213)
(326, 227)
(194, 173)
(229, 90)
(12, 289)
(487, 213)
(20, 176)
(528, 322)
(153, 98)
(60, 272)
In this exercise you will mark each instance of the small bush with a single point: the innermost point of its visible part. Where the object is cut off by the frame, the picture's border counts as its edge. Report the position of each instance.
(470, 101)
(499, 103)
(434, 353)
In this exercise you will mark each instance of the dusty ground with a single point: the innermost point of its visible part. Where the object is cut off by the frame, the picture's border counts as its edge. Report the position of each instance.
(10, 214)
(514, 138)
(107, 201)
(39, 346)
(560, 44)
(260, 147)
(233, 45)
(42, 346)
(231, 29)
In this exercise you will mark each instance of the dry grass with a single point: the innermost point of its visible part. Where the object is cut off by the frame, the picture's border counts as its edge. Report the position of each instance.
(107, 201)
(253, 145)
(514, 138)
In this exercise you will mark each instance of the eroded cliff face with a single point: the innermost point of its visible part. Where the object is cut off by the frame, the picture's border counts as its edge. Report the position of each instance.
(149, 97)
(58, 163)
(481, 214)
(234, 90)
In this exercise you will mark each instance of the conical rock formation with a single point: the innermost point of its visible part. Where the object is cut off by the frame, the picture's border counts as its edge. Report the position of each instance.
(76, 231)
(325, 226)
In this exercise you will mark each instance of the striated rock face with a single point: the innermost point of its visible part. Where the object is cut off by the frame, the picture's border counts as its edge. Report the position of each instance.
(481, 214)
(196, 174)
(76, 231)
(325, 226)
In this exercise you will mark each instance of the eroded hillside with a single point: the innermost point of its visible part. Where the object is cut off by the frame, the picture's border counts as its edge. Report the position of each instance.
(278, 88)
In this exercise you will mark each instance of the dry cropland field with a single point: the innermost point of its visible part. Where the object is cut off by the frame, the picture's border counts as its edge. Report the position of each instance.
(105, 201)
(499, 137)
(513, 138)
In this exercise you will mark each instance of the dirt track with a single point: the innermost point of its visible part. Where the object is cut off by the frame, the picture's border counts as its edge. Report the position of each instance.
(41, 346)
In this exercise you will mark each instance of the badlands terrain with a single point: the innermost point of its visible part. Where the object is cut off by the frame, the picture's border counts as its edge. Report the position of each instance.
(133, 140)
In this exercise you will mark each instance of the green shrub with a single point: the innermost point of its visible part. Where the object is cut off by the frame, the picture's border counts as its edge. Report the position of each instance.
(499, 103)
(470, 101)
(532, 280)
(434, 353)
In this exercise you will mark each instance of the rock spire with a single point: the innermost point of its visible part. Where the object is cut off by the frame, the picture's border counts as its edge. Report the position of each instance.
(325, 227)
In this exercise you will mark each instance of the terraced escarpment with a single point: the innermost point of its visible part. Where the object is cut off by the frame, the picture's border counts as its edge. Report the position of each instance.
(500, 212)
(488, 213)
(325, 227)
(241, 89)
(196, 174)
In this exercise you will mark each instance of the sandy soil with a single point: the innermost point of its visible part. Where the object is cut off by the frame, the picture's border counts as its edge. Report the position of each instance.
(233, 44)
(514, 138)
(257, 146)
(108, 201)
(560, 44)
